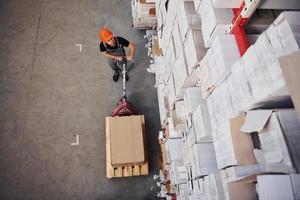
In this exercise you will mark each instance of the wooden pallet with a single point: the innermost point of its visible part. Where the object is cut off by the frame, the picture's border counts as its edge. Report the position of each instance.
(125, 171)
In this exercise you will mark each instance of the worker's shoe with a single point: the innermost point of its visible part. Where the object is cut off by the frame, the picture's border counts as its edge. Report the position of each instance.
(116, 75)
(126, 77)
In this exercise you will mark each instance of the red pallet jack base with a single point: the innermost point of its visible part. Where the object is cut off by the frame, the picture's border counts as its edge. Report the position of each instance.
(124, 108)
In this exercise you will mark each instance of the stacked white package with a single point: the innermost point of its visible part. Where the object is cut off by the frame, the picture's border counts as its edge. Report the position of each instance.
(277, 130)
(197, 4)
(226, 93)
(201, 123)
(224, 53)
(180, 109)
(162, 103)
(205, 77)
(284, 33)
(194, 48)
(176, 39)
(214, 187)
(143, 14)
(159, 68)
(170, 93)
(179, 72)
(174, 149)
(199, 191)
(178, 172)
(240, 86)
(277, 187)
(169, 60)
(223, 146)
(256, 75)
(227, 3)
(187, 18)
(182, 192)
(187, 154)
(238, 172)
(215, 21)
(204, 162)
(233, 147)
(192, 98)
(215, 109)
(191, 136)
(175, 128)
(270, 63)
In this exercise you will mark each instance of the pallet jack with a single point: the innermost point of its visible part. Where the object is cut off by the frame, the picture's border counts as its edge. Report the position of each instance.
(124, 107)
(122, 127)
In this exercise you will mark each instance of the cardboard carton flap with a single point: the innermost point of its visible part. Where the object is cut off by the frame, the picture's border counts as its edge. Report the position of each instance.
(256, 120)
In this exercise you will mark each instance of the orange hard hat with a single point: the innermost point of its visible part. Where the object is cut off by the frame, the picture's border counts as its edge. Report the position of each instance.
(105, 34)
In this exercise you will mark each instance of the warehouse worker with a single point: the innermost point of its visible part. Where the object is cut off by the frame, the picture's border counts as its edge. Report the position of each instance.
(112, 47)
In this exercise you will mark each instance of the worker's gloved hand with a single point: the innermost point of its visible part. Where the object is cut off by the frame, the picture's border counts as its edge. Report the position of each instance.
(129, 58)
(118, 58)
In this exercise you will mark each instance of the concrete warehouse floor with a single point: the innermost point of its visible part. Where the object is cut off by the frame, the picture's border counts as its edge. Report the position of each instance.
(50, 92)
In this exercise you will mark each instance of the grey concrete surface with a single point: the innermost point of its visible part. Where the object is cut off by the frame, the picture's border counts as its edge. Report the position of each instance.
(50, 92)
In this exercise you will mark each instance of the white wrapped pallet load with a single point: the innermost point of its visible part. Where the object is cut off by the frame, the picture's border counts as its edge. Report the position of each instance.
(215, 21)
(180, 109)
(284, 33)
(227, 3)
(205, 77)
(169, 60)
(170, 93)
(174, 129)
(178, 172)
(197, 4)
(201, 123)
(277, 187)
(224, 54)
(194, 48)
(199, 189)
(176, 39)
(179, 72)
(187, 18)
(204, 162)
(270, 63)
(192, 98)
(214, 187)
(256, 74)
(242, 93)
(174, 149)
(162, 103)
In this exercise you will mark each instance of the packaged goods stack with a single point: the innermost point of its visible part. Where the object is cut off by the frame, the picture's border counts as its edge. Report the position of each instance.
(230, 120)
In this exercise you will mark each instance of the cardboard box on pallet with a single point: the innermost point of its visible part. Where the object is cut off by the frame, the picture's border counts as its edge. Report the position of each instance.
(278, 132)
(126, 140)
(205, 77)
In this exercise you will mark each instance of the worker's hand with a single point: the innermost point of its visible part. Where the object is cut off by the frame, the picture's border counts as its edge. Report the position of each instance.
(129, 58)
(118, 58)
